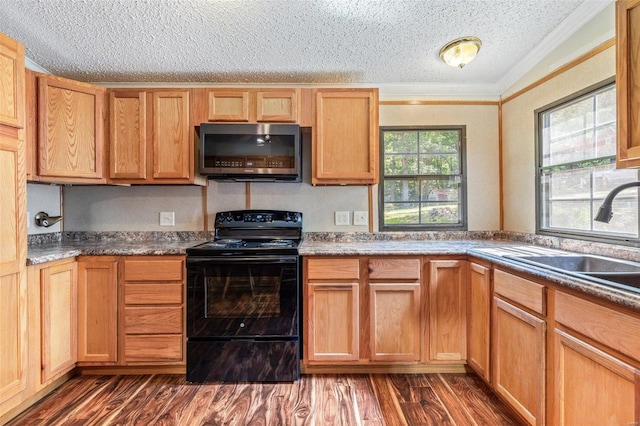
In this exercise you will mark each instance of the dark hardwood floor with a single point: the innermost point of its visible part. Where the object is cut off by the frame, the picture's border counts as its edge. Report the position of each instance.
(400, 399)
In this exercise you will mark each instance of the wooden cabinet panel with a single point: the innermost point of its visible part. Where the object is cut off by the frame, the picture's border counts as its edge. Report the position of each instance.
(172, 156)
(522, 291)
(592, 387)
(13, 249)
(253, 105)
(394, 311)
(58, 293)
(128, 135)
(97, 309)
(333, 322)
(13, 335)
(518, 360)
(478, 319)
(71, 129)
(228, 105)
(153, 320)
(154, 269)
(447, 310)
(11, 82)
(628, 82)
(345, 137)
(280, 105)
(331, 268)
(157, 348)
(152, 294)
(394, 268)
(615, 329)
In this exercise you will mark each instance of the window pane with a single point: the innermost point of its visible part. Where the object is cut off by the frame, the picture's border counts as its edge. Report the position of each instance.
(400, 190)
(571, 119)
(606, 140)
(399, 165)
(440, 213)
(439, 164)
(606, 107)
(625, 215)
(400, 142)
(570, 214)
(401, 214)
(576, 147)
(569, 184)
(439, 141)
(440, 190)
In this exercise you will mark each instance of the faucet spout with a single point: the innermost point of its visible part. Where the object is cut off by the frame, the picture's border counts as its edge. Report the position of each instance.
(604, 212)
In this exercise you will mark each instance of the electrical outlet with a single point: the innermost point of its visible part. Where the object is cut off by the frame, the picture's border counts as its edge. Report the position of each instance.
(361, 218)
(167, 219)
(341, 218)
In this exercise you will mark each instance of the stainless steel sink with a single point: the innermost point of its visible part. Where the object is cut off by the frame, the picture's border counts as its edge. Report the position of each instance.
(617, 273)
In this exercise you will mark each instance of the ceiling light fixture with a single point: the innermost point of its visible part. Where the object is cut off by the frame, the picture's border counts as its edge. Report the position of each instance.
(460, 52)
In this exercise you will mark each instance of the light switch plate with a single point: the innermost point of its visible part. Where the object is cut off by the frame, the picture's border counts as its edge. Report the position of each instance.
(341, 218)
(361, 218)
(167, 219)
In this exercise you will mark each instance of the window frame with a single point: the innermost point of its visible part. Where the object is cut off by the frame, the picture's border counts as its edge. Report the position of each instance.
(463, 202)
(595, 236)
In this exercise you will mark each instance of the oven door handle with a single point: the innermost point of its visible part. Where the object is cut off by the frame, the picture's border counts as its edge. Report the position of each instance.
(235, 259)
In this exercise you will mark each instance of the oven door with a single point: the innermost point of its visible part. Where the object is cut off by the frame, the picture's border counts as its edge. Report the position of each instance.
(242, 296)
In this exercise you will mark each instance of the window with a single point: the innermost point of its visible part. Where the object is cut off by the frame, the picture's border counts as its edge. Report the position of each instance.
(423, 183)
(576, 168)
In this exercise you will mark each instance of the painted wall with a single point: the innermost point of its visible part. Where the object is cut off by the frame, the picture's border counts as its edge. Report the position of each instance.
(518, 121)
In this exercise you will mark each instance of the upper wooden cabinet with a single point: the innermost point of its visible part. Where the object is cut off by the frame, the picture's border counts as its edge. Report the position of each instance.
(11, 82)
(71, 130)
(345, 137)
(151, 137)
(253, 105)
(628, 82)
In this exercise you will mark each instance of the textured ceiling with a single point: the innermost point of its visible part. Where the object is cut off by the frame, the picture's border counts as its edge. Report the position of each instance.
(279, 41)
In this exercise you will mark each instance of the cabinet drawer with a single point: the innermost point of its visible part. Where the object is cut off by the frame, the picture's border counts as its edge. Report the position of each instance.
(152, 294)
(330, 268)
(154, 270)
(617, 330)
(527, 293)
(153, 320)
(384, 268)
(153, 348)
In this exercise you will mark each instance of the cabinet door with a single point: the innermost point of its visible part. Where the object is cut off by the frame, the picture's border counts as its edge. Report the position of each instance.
(592, 387)
(394, 311)
(128, 135)
(345, 136)
(172, 149)
(447, 310)
(628, 82)
(13, 335)
(58, 293)
(277, 106)
(71, 134)
(97, 309)
(228, 105)
(518, 360)
(11, 82)
(478, 314)
(333, 322)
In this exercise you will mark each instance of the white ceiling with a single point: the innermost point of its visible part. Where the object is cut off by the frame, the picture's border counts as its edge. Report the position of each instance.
(371, 42)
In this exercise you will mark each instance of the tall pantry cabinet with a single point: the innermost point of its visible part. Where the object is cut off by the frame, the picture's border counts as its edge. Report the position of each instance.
(13, 235)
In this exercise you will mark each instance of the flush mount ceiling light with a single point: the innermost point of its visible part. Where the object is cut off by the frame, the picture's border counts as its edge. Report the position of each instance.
(460, 52)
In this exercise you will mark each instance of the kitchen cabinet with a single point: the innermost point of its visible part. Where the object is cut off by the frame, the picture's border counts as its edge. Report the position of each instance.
(331, 298)
(253, 105)
(71, 145)
(97, 310)
(152, 314)
(478, 319)
(628, 82)
(13, 233)
(11, 82)
(597, 353)
(151, 137)
(394, 308)
(447, 311)
(518, 342)
(345, 137)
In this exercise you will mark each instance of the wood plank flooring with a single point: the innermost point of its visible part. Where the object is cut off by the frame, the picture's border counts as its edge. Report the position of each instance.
(367, 400)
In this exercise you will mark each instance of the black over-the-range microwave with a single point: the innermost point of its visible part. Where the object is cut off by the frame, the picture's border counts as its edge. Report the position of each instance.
(251, 152)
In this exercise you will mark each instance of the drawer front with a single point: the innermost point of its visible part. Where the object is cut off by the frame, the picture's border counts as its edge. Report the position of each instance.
(152, 294)
(617, 330)
(333, 268)
(385, 268)
(154, 270)
(527, 293)
(153, 320)
(153, 348)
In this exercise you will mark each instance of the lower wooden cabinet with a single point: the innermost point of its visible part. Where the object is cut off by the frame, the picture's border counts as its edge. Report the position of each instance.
(478, 319)
(97, 310)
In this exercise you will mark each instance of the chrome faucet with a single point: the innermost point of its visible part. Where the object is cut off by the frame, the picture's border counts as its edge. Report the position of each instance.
(604, 212)
(43, 219)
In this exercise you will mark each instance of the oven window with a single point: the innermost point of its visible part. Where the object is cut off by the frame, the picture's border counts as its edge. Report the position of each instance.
(247, 291)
